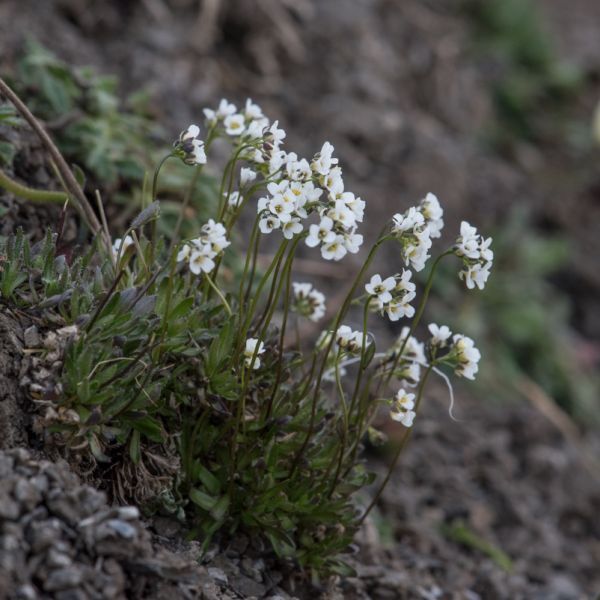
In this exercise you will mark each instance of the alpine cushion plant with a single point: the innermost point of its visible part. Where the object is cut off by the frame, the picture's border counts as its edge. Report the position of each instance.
(182, 374)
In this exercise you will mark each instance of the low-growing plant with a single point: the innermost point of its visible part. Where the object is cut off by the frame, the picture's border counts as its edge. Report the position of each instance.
(173, 359)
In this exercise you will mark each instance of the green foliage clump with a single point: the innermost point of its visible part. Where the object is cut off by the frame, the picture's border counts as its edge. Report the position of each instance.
(179, 377)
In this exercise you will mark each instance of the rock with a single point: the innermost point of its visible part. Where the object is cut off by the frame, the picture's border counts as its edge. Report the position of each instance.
(218, 575)
(245, 586)
(62, 579)
(32, 338)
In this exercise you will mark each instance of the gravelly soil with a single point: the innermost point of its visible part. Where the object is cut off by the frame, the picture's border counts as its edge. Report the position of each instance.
(398, 94)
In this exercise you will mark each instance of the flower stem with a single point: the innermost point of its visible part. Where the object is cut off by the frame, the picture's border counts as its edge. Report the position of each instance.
(401, 447)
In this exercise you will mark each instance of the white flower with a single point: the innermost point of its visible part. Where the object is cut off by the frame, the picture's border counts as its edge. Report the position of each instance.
(406, 418)
(335, 249)
(439, 335)
(341, 214)
(321, 233)
(468, 243)
(402, 408)
(308, 301)
(343, 336)
(254, 131)
(404, 400)
(476, 254)
(268, 224)
(291, 228)
(275, 135)
(398, 309)
(334, 182)
(191, 147)
(225, 109)
(350, 340)
(184, 253)
(353, 242)
(324, 161)
(234, 124)
(120, 245)
(381, 287)
(407, 221)
(433, 213)
(234, 200)
(247, 176)
(201, 260)
(466, 355)
(280, 206)
(252, 111)
(413, 349)
(251, 351)
(476, 275)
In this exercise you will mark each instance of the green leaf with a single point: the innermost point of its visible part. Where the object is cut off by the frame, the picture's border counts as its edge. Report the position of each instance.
(134, 446)
(210, 482)
(219, 510)
(202, 499)
(220, 348)
(150, 427)
(7, 153)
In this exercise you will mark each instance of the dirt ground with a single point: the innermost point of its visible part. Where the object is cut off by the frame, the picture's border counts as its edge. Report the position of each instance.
(499, 505)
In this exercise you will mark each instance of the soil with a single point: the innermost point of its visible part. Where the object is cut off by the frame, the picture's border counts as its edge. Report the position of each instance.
(396, 89)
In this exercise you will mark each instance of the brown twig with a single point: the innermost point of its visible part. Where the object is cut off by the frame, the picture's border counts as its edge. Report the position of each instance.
(79, 199)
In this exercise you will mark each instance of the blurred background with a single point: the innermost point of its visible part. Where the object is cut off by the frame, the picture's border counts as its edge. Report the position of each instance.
(489, 104)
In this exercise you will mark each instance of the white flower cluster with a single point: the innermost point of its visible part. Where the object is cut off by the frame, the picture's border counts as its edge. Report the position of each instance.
(476, 254)
(253, 346)
(191, 149)
(297, 188)
(393, 294)
(402, 408)
(120, 245)
(416, 227)
(349, 340)
(200, 252)
(461, 352)
(308, 301)
(466, 355)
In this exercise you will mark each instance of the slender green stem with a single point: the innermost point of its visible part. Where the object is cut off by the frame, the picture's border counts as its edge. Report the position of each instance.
(22, 191)
(338, 319)
(361, 369)
(249, 253)
(286, 308)
(219, 293)
(401, 447)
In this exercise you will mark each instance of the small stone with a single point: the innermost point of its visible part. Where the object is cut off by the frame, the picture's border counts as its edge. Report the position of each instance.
(63, 579)
(218, 575)
(27, 494)
(245, 586)
(125, 530)
(27, 592)
(31, 337)
(56, 559)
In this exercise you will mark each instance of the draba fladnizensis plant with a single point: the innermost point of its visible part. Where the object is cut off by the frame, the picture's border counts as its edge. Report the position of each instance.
(182, 349)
